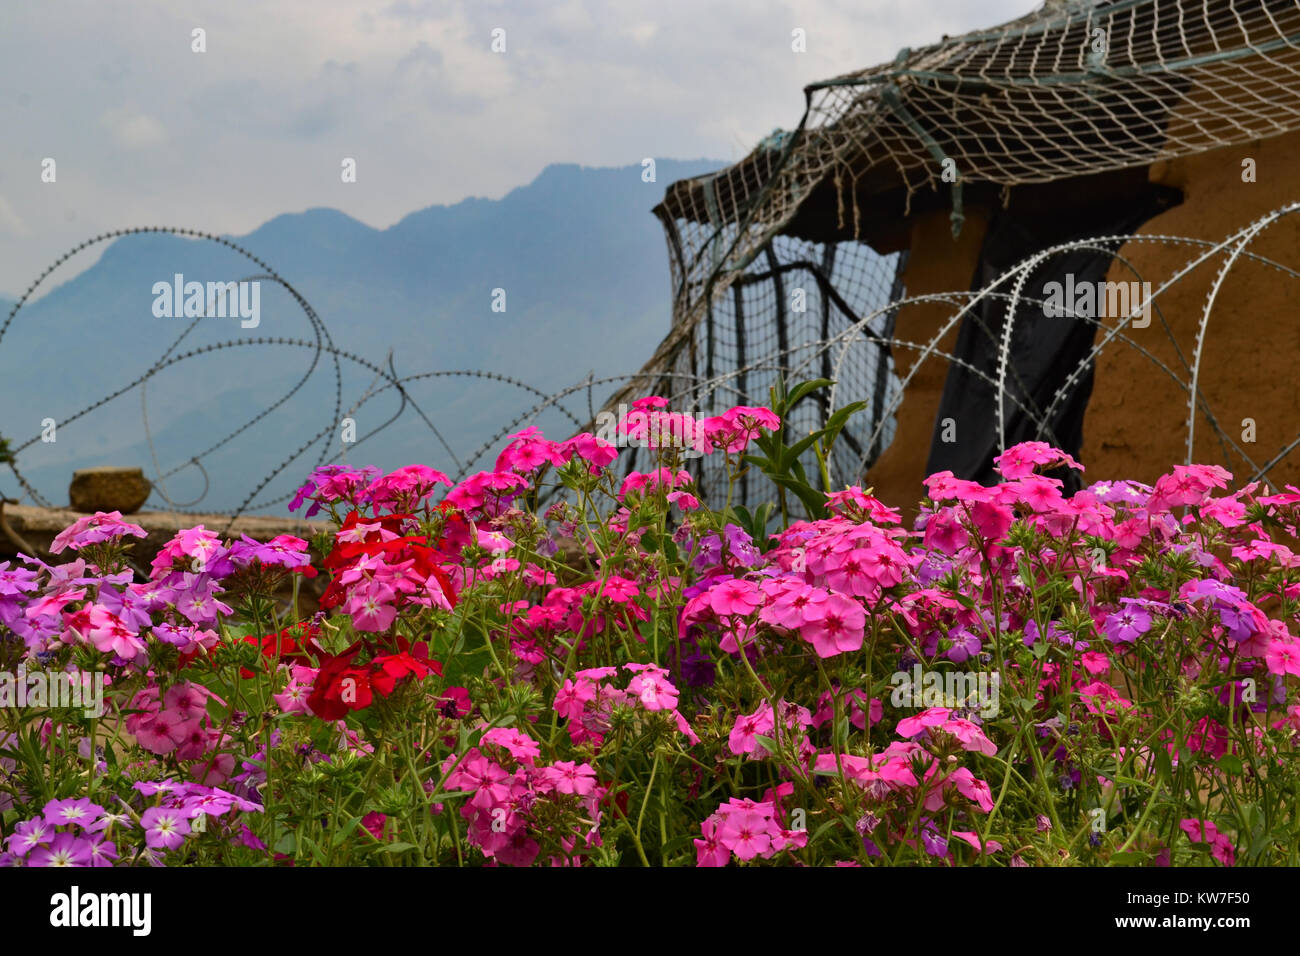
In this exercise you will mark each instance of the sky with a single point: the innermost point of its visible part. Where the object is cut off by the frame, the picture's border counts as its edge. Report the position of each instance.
(144, 130)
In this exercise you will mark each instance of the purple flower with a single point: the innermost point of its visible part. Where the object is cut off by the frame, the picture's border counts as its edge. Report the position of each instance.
(1127, 624)
(102, 853)
(151, 787)
(283, 550)
(935, 845)
(78, 811)
(965, 645)
(65, 849)
(164, 827)
(110, 819)
(1054, 633)
(213, 802)
(28, 835)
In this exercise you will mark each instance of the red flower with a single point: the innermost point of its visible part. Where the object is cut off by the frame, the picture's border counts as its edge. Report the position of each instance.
(340, 686)
(387, 669)
(283, 646)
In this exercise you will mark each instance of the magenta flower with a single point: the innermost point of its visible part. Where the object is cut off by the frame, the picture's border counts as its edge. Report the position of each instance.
(102, 852)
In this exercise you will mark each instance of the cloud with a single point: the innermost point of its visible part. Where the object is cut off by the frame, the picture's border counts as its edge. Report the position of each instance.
(10, 221)
(257, 125)
(133, 130)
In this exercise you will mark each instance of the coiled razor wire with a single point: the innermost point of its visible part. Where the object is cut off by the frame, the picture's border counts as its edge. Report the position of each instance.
(794, 362)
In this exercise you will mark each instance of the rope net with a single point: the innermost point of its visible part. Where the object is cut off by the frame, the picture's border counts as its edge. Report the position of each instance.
(1078, 87)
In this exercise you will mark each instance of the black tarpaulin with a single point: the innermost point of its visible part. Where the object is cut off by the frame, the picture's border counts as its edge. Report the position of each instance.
(1044, 350)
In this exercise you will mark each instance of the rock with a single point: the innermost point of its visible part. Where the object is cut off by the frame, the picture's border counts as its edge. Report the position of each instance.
(109, 489)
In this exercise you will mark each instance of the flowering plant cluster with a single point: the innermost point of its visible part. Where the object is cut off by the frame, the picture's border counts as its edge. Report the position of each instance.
(555, 662)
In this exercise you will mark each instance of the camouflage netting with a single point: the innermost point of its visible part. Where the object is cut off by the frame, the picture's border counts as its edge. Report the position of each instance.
(1074, 89)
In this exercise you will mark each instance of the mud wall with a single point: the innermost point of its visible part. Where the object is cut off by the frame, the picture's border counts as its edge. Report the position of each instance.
(1136, 422)
(936, 263)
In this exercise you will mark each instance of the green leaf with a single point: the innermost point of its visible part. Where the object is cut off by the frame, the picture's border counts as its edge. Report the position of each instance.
(396, 847)
(802, 390)
(1127, 858)
(1164, 767)
(345, 831)
(1230, 764)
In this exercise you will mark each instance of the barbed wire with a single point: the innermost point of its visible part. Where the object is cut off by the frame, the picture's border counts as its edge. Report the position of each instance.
(689, 390)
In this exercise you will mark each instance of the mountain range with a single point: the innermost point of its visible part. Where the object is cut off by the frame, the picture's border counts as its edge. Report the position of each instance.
(580, 258)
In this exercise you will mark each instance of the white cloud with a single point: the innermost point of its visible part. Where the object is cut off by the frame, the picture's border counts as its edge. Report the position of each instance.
(258, 125)
(10, 221)
(133, 130)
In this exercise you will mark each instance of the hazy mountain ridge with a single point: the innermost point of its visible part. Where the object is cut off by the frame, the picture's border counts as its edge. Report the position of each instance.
(581, 258)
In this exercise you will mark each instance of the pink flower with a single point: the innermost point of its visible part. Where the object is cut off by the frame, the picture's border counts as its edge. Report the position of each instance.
(595, 451)
(745, 833)
(734, 429)
(970, 736)
(1283, 657)
(1221, 847)
(747, 728)
(972, 788)
(709, 851)
(835, 626)
(519, 744)
(618, 589)
(735, 597)
(371, 607)
(111, 635)
(789, 601)
(567, 777)
(932, 717)
(973, 839)
(571, 699)
(93, 529)
(528, 450)
(652, 688)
